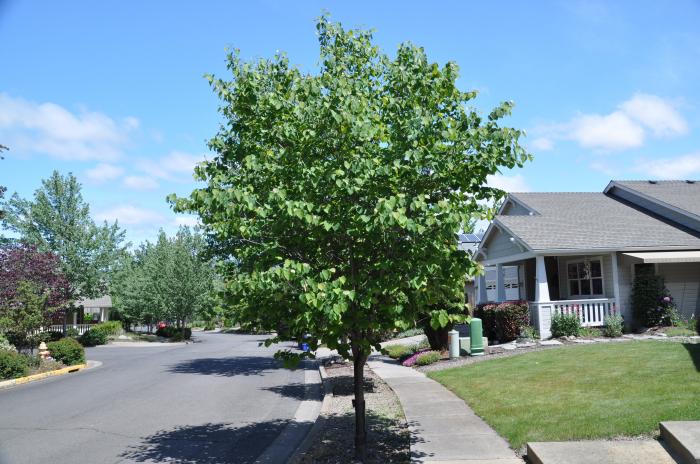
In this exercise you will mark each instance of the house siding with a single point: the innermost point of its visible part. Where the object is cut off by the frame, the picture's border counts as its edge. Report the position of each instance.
(499, 245)
(624, 268)
(683, 281)
(514, 209)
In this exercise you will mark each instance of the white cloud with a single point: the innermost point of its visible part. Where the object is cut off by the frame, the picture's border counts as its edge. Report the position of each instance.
(656, 114)
(515, 183)
(140, 183)
(130, 215)
(48, 128)
(103, 172)
(627, 127)
(173, 166)
(615, 131)
(681, 167)
(541, 144)
(190, 221)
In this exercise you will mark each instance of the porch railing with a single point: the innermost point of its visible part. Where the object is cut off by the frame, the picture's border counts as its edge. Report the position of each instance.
(81, 328)
(591, 313)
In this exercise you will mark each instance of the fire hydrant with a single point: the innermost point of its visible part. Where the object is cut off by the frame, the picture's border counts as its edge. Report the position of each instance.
(43, 351)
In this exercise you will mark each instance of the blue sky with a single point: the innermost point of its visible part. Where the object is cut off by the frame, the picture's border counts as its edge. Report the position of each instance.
(113, 91)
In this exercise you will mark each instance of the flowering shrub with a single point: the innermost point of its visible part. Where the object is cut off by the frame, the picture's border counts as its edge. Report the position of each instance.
(411, 360)
(652, 303)
(566, 325)
(504, 321)
(428, 357)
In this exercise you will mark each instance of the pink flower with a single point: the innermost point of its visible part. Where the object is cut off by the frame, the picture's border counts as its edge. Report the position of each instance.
(667, 299)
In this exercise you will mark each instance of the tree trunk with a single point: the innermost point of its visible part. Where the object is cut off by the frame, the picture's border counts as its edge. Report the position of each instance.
(360, 420)
(437, 339)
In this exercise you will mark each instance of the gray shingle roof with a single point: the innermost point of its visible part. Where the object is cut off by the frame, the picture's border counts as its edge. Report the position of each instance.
(589, 220)
(104, 301)
(679, 193)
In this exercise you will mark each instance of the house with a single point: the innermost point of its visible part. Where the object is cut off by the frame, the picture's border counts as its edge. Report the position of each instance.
(581, 251)
(93, 310)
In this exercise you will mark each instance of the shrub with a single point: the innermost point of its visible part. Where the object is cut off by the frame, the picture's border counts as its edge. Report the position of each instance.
(5, 344)
(613, 325)
(398, 351)
(410, 333)
(72, 332)
(428, 357)
(505, 321)
(68, 351)
(411, 360)
(93, 337)
(169, 331)
(652, 303)
(530, 333)
(12, 365)
(52, 336)
(565, 325)
(110, 328)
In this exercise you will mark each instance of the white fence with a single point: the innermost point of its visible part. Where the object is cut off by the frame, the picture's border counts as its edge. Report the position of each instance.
(81, 328)
(591, 312)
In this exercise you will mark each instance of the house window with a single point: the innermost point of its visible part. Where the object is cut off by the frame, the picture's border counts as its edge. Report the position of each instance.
(585, 278)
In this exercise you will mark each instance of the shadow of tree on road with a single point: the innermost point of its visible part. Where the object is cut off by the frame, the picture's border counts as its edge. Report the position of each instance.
(208, 443)
(227, 367)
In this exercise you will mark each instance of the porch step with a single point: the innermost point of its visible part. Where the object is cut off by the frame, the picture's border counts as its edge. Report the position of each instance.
(598, 452)
(683, 437)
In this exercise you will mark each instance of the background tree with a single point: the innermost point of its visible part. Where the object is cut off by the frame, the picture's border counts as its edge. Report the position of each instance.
(171, 279)
(58, 220)
(335, 198)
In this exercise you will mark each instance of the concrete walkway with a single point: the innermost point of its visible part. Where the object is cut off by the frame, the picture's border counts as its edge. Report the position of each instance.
(443, 428)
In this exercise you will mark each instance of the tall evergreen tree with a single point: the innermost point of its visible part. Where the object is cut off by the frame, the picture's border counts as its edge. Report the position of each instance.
(58, 220)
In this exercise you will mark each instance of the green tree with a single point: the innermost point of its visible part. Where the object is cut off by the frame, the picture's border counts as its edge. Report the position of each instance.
(24, 313)
(334, 198)
(58, 220)
(170, 279)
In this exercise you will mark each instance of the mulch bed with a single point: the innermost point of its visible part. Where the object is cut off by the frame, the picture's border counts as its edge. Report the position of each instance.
(387, 432)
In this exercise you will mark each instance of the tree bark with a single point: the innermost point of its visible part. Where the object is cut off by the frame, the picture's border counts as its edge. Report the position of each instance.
(360, 420)
(438, 339)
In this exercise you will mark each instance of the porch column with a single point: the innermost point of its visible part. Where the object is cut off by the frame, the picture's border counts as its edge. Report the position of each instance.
(75, 316)
(616, 280)
(500, 284)
(541, 285)
(482, 296)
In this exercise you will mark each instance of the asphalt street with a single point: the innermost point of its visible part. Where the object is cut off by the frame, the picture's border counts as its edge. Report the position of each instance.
(223, 399)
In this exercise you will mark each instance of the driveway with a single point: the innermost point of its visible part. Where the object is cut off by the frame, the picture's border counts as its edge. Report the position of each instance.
(223, 399)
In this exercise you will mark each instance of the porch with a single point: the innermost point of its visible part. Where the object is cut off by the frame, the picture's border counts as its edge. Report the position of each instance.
(586, 285)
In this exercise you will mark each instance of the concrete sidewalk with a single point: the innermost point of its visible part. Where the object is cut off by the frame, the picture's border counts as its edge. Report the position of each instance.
(443, 428)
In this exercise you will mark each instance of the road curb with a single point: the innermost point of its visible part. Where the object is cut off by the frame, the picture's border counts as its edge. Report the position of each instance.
(305, 445)
(43, 375)
(306, 416)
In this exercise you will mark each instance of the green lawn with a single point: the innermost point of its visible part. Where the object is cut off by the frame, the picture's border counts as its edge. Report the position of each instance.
(582, 392)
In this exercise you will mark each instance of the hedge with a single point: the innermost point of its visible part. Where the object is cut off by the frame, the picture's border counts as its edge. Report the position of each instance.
(12, 365)
(68, 351)
(93, 337)
(503, 321)
(169, 331)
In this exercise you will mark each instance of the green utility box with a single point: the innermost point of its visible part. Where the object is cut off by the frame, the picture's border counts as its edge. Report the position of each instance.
(476, 335)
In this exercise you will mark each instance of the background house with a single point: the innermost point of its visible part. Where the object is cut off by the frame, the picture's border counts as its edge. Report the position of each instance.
(581, 251)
